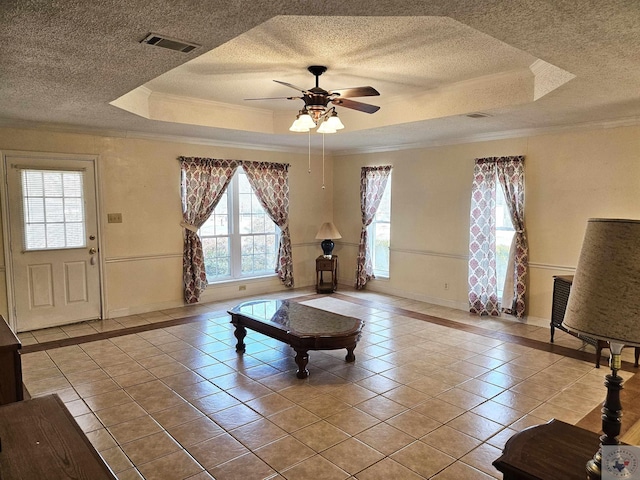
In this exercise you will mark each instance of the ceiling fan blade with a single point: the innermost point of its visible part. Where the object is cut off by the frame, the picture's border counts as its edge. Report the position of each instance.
(303, 90)
(275, 98)
(361, 107)
(355, 92)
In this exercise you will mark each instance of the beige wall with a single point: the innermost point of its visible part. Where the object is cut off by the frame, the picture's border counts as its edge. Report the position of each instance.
(570, 177)
(142, 256)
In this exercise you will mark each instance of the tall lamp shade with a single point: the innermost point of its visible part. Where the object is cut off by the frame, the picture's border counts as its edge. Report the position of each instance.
(605, 294)
(604, 303)
(327, 233)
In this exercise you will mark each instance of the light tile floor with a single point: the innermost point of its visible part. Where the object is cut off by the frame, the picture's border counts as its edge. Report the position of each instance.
(422, 400)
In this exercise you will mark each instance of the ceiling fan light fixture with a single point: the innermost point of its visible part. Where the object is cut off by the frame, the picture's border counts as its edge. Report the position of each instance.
(317, 112)
(326, 128)
(305, 120)
(334, 122)
(297, 127)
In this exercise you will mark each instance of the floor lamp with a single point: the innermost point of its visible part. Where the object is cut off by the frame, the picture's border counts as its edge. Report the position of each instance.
(604, 303)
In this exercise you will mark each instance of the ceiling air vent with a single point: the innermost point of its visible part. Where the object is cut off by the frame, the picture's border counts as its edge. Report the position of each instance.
(170, 43)
(478, 115)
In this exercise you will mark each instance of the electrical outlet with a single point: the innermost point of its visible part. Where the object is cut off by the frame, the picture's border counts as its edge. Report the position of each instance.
(446, 286)
(242, 288)
(114, 217)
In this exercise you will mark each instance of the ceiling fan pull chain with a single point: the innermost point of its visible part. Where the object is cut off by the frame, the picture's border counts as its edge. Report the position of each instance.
(309, 131)
(323, 161)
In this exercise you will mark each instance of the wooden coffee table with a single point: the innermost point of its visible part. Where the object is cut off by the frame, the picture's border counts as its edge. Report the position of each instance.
(304, 328)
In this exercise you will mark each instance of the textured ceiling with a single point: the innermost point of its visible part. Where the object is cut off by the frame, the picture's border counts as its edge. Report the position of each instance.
(64, 62)
(399, 55)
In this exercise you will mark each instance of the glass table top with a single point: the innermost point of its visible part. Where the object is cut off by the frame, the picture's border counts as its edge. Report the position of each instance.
(297, 318)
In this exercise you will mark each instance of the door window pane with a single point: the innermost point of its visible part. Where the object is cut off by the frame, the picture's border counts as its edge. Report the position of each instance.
(53, 206)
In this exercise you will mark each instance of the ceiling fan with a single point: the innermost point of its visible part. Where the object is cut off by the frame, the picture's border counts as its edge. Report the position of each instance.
(316, 109)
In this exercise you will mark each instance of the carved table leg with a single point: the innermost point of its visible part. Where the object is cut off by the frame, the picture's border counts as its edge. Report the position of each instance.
(302, 358)
(350, 356)
(240, 332)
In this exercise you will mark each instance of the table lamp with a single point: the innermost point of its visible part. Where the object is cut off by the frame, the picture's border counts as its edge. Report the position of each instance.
(604, 303)
(328, 232)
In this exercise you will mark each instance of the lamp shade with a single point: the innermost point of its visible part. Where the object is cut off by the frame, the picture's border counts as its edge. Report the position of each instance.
(305, 120)
(604, 302)
(296, 126)
(334, 122)
(328, 231)
(326, 128)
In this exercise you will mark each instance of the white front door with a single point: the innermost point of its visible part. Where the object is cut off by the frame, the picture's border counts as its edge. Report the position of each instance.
(53, 236)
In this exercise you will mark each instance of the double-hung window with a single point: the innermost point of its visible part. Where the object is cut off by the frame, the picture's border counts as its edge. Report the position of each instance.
(379, 235)
(497, 219)
(239, 240)
(504, 237)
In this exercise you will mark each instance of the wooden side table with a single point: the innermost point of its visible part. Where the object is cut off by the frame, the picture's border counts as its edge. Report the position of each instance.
(329, 265)
(555, 450)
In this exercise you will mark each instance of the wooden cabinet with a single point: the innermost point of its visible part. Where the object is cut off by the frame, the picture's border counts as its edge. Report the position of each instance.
(326, 274)
(41, 440)
(10, 365)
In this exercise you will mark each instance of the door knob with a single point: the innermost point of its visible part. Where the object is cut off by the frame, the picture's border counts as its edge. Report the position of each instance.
(92, 251)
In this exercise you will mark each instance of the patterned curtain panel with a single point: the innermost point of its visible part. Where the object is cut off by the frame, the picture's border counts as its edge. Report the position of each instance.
(204, 180)
(270, 183)
(511, 176)
(483, 290)
(373, 181)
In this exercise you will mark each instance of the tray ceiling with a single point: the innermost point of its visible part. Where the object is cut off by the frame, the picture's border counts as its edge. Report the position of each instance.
(529, 65)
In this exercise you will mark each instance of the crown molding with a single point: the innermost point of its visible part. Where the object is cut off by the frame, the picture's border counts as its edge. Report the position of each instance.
(132, 134)
(486, 137)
